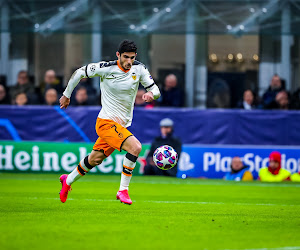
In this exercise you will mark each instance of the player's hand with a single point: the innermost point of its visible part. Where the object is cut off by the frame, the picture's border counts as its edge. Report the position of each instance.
(148, 97)
(64, 102)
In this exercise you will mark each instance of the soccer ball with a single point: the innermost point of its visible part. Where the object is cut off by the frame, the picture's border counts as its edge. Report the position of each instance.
(165, 157)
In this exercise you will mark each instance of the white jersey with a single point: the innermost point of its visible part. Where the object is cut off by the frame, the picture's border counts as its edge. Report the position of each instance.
(118, 88)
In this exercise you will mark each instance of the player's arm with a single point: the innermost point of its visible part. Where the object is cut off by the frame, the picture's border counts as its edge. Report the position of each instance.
(152, 89)
(153, 93)
(88, 71)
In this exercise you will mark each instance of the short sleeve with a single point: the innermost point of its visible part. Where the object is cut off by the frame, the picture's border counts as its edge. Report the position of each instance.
(146, 79)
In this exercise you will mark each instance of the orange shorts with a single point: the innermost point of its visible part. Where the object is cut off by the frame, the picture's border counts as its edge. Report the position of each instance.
(111, 136)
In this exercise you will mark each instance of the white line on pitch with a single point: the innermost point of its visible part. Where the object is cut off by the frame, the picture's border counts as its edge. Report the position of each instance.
(276, 248)
(176, 202)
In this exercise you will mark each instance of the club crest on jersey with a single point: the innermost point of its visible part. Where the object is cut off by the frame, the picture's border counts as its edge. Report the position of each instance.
(133, 76)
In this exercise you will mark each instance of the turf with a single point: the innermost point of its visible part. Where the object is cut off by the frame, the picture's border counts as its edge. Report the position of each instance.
(166, 213)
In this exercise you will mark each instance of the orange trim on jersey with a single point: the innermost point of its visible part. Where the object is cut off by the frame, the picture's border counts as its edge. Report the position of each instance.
(79, 172)
(82, 167)
(121, 68)
(126, 174)
(128, 167)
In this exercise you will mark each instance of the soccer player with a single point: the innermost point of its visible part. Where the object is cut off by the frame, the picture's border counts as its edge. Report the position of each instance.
(119, 84)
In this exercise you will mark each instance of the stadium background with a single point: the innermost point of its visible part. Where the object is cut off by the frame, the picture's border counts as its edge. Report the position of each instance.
(215, 48)
(211, 46)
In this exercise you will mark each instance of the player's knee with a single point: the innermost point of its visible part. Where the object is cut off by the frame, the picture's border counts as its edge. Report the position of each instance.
(137, 148)
(95, 160)
(98, 161)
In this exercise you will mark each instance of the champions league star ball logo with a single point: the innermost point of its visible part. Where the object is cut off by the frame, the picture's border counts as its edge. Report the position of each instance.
(93, 67)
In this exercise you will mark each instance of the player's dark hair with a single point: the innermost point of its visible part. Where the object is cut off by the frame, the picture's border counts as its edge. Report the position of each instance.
(127, 46)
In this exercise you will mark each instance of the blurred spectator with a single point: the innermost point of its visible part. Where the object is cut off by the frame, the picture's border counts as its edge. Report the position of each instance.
(295, 177)
(24, 86)
(218, 94)
(88, 84)
(295, 100)
(51, 82)
(166, 138)
(239, 172)
(81, 97)
(51, 97)
(139, 102)
(21, 99)
(171, 95)
(270, 95)
(4, 99)
(274, 173)
(248, 100)
(282, 100)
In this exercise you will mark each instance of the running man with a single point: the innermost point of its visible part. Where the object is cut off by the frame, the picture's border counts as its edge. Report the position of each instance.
(119, 84)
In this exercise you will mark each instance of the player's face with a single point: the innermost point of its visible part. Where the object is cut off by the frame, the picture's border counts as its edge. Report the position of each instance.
(126, 59)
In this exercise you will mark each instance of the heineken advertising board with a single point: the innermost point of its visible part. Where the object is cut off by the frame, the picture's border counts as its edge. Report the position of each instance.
(209, 161)
(59, 157)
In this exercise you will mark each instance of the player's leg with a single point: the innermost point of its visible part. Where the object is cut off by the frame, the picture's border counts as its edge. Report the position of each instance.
(118, 137)
(84, 166)
(133, 148)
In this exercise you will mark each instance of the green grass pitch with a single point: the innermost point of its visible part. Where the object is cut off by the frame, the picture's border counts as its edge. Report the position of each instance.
(166, 213)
